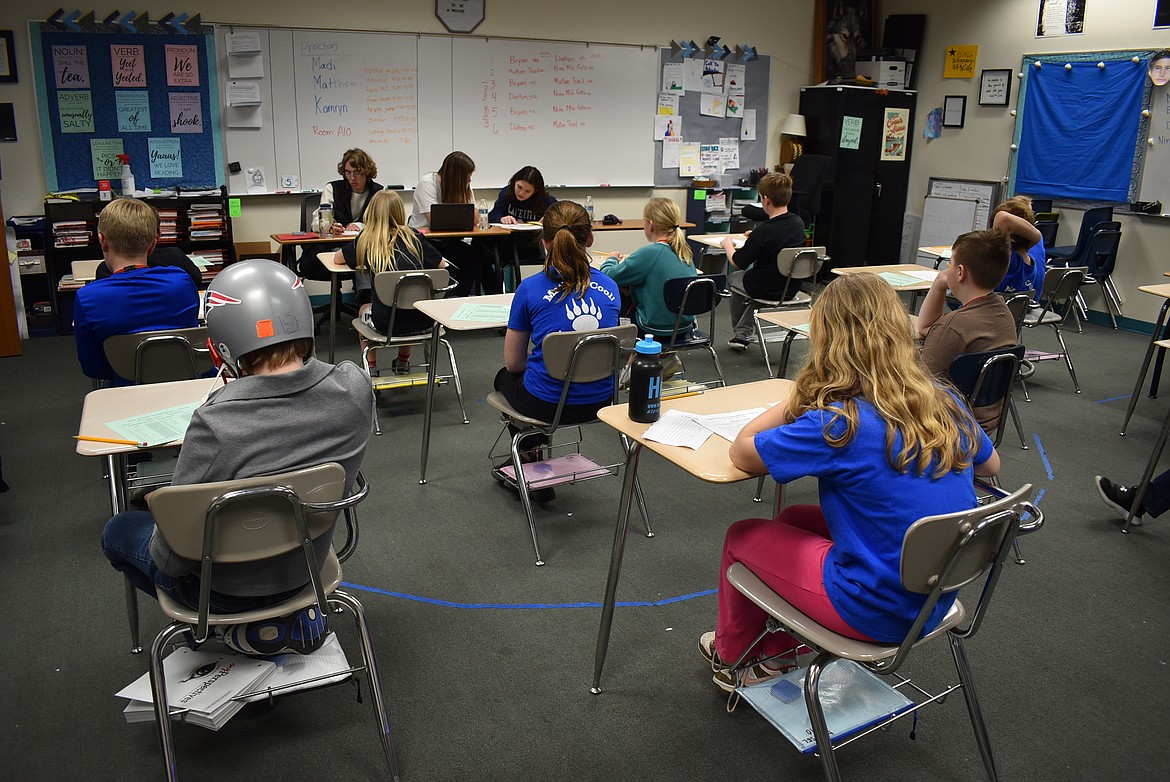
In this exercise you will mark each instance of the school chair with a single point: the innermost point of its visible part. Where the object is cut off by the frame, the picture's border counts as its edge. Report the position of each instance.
(808, 182)
(310, 268)
(159, 356)
(940, 555)
(569, 357)
(797, 265)
(214, 524)
(1101, 260)
(400, 290)
(1048, 230)
(1041, 205)
(695, 296)
(1072, 254)
(1061, 286)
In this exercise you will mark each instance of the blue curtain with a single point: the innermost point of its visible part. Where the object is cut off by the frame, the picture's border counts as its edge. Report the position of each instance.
(1078, 130)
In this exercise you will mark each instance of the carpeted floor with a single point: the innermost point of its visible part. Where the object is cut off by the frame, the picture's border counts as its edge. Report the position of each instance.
(487, 659)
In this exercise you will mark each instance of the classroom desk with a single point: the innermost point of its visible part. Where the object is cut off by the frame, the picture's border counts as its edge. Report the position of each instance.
(290, 241)
(1162, 290)
(939, 252)
(709, 463)
(907, 269)
(113, 404)
(715, 241)
(443, 312)
(631, 224)
(1155, 454)
(328, 260)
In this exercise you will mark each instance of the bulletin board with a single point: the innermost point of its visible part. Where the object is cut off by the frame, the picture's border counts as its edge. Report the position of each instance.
(696, 127)
(152, 96)
(581, 113)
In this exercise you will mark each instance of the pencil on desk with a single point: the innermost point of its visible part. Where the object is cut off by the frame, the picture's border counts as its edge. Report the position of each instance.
(672, 397)
(108, 440)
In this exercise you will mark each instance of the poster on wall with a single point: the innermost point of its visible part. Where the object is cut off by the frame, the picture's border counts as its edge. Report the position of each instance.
(959, 62)
(894, 129)
(1162, 14)
(1060, 17)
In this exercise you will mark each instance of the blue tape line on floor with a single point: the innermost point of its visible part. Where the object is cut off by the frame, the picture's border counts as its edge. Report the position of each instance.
(452, 604)
(1040, 495)
(1043, 456)
(1112, 399)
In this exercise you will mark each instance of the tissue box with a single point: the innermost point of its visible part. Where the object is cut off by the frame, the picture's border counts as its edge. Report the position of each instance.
(887, 73)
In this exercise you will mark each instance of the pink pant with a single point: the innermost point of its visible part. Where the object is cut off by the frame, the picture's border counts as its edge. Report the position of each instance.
(788, 554)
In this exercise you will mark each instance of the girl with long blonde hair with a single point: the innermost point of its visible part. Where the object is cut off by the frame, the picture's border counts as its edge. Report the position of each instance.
(888, 446)
(387, 243)
(646, 270)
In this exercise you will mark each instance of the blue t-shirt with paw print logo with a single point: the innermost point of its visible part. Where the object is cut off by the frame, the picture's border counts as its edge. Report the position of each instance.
(540, 310)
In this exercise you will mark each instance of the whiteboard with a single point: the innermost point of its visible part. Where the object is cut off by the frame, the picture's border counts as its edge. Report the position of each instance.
(581, 113)
(943, 219)
(984, 191)
(1156, 169)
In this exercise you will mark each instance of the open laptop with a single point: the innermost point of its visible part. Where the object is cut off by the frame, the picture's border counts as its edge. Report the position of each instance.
(452, 217)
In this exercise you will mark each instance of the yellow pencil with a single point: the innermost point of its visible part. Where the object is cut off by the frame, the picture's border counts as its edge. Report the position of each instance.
(135, 443)
(672, 397)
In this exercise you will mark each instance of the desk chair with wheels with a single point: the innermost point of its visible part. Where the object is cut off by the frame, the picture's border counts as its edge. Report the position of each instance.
(808, 182)
(1061, 286)
(695, 296)
(400, 290)
(569, 356)
(215, 524)
(940, 555)
(798, 265)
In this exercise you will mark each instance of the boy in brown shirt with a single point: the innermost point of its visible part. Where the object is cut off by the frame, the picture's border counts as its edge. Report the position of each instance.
(979, 260)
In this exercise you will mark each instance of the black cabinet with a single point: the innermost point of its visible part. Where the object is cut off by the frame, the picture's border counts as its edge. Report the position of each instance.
(864, 201)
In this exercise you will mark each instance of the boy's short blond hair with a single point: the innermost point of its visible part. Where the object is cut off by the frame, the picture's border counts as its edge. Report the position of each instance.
(130, 226)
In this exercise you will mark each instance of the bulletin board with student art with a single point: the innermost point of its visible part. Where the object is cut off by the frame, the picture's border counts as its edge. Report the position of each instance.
(711, 118)
(148, 95)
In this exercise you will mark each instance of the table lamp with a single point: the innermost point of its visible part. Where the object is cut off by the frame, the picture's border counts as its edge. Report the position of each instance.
(793, 128)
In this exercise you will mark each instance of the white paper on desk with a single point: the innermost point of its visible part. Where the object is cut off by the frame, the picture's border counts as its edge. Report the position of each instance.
(677, 428)
(518, 226)
(728, 425)
(157, 428)
(926, 274)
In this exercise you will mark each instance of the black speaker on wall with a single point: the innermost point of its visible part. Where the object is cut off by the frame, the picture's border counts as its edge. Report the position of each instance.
(904, 34)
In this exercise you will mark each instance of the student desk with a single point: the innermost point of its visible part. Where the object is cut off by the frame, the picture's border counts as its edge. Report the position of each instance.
(939, 252)
(716, 240)
(710, 463)
(328, 260)
(906, 269)
(1162, 290)
(290, 241)
(443, 312)
(630, 224)
(113, 404)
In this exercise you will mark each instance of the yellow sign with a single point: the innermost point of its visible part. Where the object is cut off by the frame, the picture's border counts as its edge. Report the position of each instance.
(959, 62)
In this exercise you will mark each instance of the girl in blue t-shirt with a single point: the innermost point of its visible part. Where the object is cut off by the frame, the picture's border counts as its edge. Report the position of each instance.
(887, 445)
(569, 295)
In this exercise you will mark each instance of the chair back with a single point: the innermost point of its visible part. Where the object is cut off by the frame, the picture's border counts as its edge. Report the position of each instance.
(692, 296)
(159, 356)
(941, 554)
(1048, 230)
(1102, 255)
(985, 378)
(808, 181)
(797, 264)
(401, 290)
(1041, 205)
(309, 204)
(1099, 214)
(585, 356)
(1018, 304)
(1061, 284)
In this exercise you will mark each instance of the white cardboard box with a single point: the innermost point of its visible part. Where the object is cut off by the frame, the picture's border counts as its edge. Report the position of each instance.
(887, 73)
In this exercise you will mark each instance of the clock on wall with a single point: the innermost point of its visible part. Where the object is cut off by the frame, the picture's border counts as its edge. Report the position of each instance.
(459, 16)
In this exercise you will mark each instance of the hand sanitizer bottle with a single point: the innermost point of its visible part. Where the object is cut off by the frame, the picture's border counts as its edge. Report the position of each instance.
(483, 214)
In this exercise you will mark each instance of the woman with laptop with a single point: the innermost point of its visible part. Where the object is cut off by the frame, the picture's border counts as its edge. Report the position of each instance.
(451, 185)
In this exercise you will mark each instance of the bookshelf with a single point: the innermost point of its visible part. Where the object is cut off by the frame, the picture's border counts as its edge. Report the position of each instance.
(197, 224)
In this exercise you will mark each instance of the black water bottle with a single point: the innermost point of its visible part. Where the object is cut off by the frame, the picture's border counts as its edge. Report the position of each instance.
(646, 382)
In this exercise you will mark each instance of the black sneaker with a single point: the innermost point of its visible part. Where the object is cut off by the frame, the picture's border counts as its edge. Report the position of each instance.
(1119, 498)
(738, 344)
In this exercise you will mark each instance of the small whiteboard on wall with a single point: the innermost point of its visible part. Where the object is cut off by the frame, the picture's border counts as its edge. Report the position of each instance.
(986, 192)
(943, 219)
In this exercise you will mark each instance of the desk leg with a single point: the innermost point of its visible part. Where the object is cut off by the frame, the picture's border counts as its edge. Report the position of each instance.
(1149, 473)
(1141, 378)
(1158, 362)
(431, 372)
(615, 564)
(334, 295)
(116, 469)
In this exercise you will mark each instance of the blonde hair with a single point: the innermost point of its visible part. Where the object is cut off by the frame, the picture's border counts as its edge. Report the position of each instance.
(386, 234)
(130, 226)
(861, 347)
(1020, 206)
(566, 230)
(665, 216)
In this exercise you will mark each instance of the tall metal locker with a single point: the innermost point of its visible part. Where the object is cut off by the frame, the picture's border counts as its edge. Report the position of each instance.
(864, 199)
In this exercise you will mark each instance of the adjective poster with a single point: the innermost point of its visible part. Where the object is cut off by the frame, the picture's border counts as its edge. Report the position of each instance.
(75, 108)
(166, 158)
(133, 111)
(186, 112)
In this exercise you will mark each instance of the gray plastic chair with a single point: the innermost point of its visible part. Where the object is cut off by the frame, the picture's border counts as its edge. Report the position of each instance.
(1061, 286)
(569, 357)
(797, 265)
(940, 555)
(401, 291)
(215, 524)
(159, 356)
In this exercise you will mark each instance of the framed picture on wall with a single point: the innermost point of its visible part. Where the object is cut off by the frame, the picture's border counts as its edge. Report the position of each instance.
(841, 29)
(7, 57)
(954, 111)
(995, 87)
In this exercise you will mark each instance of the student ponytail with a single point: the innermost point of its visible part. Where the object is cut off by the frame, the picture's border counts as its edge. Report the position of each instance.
(665, 216)
(567, 231)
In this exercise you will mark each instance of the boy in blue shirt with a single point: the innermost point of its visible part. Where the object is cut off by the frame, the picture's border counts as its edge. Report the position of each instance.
(1015, 218)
